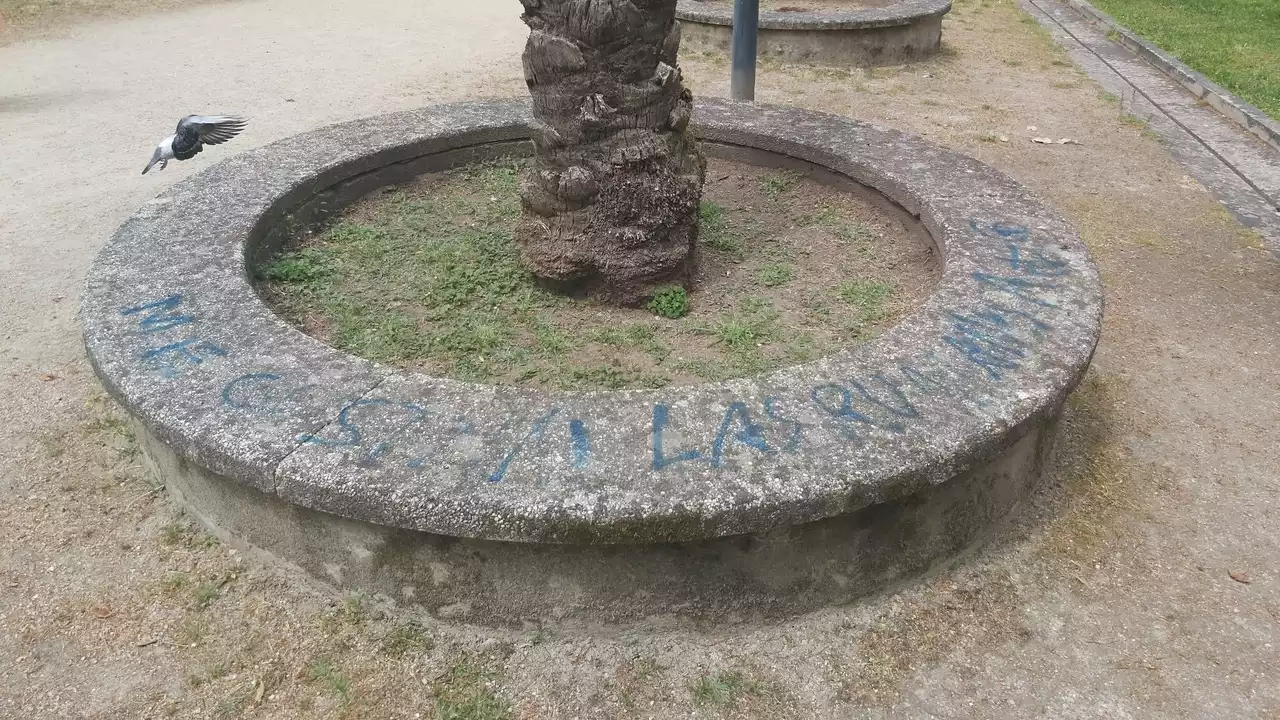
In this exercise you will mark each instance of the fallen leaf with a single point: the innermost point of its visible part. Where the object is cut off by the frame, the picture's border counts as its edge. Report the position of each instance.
(1240, 576)
(258, 691)
(48, 377)
(1042, 140)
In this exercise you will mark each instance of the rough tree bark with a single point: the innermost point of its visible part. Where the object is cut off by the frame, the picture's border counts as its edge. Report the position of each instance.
(611, 202)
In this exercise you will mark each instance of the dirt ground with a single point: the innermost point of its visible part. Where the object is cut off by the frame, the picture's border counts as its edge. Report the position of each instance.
(460, 304)
(1143, 582)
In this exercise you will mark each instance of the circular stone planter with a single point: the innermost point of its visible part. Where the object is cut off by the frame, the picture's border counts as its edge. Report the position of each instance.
(901, 32)
(758, 496)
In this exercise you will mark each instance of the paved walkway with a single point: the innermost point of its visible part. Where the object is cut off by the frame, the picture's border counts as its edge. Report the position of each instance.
(1241, 170)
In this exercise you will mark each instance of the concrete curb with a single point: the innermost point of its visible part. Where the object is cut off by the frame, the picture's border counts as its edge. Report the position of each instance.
(1235, 108)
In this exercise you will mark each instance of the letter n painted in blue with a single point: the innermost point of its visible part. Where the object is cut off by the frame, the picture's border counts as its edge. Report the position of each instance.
(160, 314)
(661, 419)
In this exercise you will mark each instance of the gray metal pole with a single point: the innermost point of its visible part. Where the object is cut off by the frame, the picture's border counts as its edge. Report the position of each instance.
(746, 21)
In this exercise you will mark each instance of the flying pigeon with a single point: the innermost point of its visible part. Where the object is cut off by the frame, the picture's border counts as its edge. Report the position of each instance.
(194, 132)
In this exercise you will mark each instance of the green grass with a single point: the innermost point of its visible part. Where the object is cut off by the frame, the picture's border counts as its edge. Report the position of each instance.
(1236, 43)
(428, 276)
(725, 689)
(638, 336)
(462, 693)
(191, 632)
(328, 676)
(405, 638)
(868, 297)
(177, 535)
(205, 593)
(450, 256)
(173, 583)
(776, 183)
(716, 232)
(776, 274)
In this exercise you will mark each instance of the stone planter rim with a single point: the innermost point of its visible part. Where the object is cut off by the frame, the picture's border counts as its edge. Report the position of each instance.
(177, 334)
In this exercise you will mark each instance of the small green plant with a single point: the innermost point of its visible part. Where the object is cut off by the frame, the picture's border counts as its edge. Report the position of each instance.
(826, 216)
(671, 302)
(205, 593)
(711, 217)
(172, 534)
(743, 331)
(233, 704)
(190, 633)
(551, 339)
(774, 184)
(406, 638)
(326, 674)
(713, 229)
(353, 610)
(173, 582)
(462, 694)
(1133, 120)
(776, 274)
(303, 266)
(176, 534)
(868, 296)
(724, 689)
(989, 137)
(736, 334)
(209, 673)
(855, 233)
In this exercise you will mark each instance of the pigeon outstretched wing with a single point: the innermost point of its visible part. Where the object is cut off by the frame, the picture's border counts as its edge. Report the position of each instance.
(195, 131)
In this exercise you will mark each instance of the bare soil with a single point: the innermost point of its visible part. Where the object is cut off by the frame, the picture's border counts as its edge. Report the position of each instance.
(1142, 583)
(790, 270)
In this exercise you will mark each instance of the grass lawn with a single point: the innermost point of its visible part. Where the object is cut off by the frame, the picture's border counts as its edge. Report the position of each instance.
(1236, 43)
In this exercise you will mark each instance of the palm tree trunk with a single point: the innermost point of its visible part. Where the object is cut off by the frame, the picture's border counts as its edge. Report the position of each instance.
(611, 202)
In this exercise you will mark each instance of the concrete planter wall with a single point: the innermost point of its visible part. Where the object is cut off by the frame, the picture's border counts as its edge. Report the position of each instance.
(767, 495)
(898, 33)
